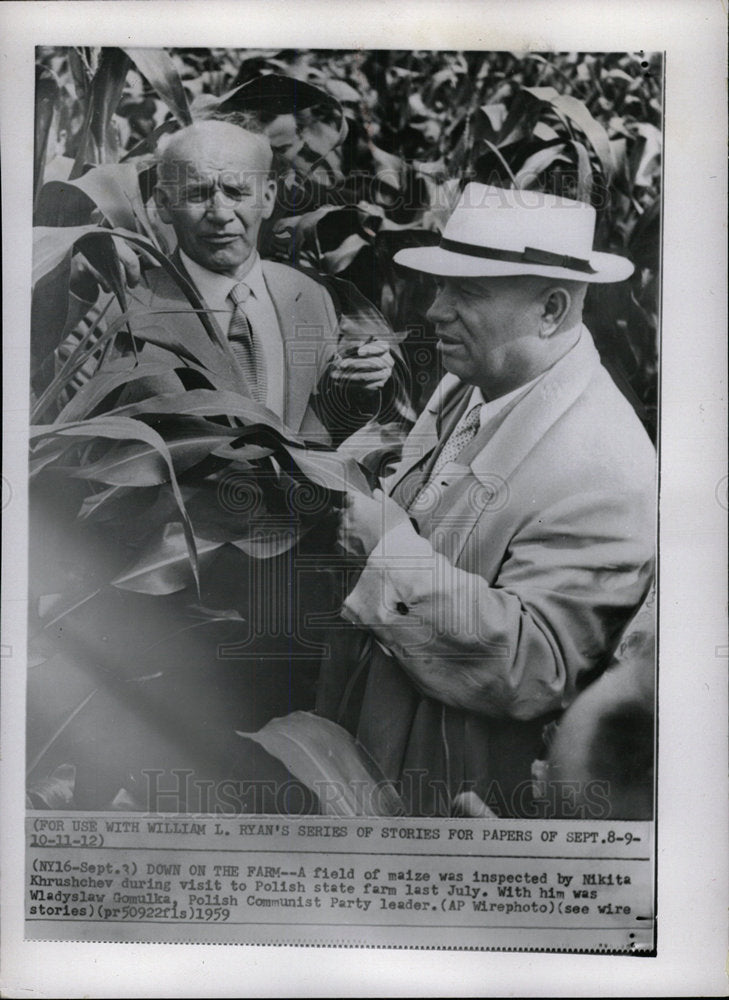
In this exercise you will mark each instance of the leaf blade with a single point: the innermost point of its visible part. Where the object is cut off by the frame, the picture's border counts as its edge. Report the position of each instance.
(159, 69)
(210, 403)
(327, 759)
(121, 428)
(164, 568)
(142, 465)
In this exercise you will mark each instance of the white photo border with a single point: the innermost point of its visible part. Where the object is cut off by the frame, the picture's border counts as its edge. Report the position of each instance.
(692, 784)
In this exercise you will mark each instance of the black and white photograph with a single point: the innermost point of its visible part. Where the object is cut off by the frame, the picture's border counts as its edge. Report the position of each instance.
(344, 455)
(344, 409)
(343, 478)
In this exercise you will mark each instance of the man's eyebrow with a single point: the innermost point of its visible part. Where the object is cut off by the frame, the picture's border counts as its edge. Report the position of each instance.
(196, 182)
(196, 187)
(470, 286)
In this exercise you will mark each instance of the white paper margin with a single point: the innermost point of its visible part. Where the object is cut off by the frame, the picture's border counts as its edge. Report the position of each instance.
(692, 815)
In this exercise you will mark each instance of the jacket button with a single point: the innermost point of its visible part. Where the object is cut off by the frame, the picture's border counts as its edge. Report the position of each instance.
(402, 608)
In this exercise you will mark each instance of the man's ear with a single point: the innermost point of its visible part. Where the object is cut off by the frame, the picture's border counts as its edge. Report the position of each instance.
(556, 302)
(161, 200)
(270, 189)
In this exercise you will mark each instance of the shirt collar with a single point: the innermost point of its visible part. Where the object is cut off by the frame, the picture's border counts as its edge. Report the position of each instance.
(215, 288)
(489, 408)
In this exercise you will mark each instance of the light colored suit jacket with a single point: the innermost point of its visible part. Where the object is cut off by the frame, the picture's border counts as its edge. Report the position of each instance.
(162, 317)
(532, 553)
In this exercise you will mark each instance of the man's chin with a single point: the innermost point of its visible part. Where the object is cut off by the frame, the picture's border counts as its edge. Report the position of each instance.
(221, 260)
(451, 365)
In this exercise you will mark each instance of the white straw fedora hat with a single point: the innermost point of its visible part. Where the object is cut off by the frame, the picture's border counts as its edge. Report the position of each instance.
(495, 232)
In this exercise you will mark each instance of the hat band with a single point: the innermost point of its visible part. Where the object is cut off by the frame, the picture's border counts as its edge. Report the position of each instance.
(529, 255)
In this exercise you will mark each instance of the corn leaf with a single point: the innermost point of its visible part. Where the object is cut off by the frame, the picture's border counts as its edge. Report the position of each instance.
(224, 510)
(123, 428)
(143, 465)
(54, 792)
(80, 72)
(330, 762)
(67, 778)
(159, 69)
(360, 320)
(271, 541)
(584, 172)
(303, 225)
(149, 143)
(46, 95)
(141, 509)
(95, 391)
(92, 343)
(329, 469)
(112, 188)
(593, 131)
(48, 452)
(97, 502)
(99, 140)
(213, 364)
(165, 566)
(212, 403)
(51, 262)
(536, 163)
(190, 291)
(245, 453)
(338, 260)
(573, 110)
(492, 122)
(52, 247)
(646, 155)
(98, 244)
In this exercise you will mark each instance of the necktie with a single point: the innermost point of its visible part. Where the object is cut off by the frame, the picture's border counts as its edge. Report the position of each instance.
(245, 344)
(463, 433)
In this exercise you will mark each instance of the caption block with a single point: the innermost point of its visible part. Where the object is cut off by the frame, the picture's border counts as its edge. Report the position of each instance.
(569, 885)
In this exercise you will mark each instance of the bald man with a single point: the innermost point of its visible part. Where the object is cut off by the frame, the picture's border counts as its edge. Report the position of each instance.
(215, 187)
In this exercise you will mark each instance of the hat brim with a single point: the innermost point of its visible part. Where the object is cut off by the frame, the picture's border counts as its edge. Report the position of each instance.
(606, 267)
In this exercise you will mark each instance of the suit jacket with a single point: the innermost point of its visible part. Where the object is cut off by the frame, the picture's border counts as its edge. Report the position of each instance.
(531, 554)
(161, 319)
(270, 664)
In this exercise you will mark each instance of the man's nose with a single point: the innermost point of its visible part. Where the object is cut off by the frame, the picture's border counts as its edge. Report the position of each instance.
(219, 207)
(441, 308)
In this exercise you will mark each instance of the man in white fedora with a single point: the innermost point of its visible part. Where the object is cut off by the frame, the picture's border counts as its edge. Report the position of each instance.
(515, 539)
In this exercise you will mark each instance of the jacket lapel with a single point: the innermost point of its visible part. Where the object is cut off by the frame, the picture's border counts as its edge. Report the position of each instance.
(170, 323)
(300, 379)
(438, 417)
(500, 447)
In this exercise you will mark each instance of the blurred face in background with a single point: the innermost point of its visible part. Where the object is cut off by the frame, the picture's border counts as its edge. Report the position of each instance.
(215, 188)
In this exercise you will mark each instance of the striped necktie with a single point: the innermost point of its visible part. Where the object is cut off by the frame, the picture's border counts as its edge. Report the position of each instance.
(245, 344)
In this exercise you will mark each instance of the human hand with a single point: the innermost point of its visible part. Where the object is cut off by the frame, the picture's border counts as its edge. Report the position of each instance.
(364, 520)
(367, 366)
(86, 280)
